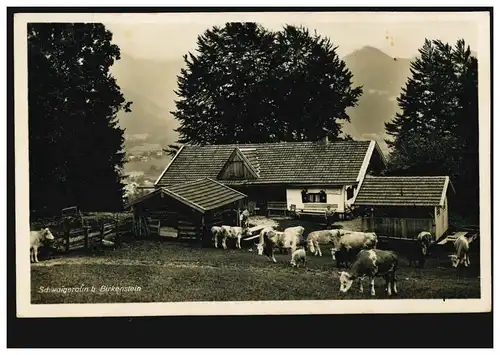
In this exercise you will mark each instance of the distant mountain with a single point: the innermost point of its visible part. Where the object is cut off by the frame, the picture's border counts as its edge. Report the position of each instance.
(150, 85)
(382, 78)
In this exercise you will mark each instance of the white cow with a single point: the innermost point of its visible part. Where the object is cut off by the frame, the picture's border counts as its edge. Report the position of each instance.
(350, 244)
(290, 238)
(234, 233)
(38, 239)
(298, 256)
(461, 255)
(325, 237)
(217, 232)
(371, 263)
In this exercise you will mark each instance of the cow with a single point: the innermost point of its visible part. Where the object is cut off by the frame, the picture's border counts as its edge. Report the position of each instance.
(217, 232)
(327, 236)
(461, 255)
(38, 239)
(234, 233)
(350, 244)
(290, 238)
(298, 256)
(419, 249)
(371, 263)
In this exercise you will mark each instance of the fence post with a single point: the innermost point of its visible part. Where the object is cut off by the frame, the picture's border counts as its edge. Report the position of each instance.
(117, 232)
(66, 234)
(86, 235)
(101, 230)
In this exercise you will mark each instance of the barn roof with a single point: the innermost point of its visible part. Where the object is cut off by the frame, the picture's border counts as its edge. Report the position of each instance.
(202, 194)
(338, 162)
(403, 191)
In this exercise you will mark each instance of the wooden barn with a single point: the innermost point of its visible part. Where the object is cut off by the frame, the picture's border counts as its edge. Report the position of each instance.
(279, 177)
(187, 210)
(403, 206)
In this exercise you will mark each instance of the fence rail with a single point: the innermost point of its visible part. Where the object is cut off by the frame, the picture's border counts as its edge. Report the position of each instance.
(87, 232)
(405, 228)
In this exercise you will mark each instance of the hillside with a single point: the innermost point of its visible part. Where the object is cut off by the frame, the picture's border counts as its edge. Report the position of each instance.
(150, 85)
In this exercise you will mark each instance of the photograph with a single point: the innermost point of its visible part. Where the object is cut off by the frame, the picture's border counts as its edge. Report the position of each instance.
(252, 162)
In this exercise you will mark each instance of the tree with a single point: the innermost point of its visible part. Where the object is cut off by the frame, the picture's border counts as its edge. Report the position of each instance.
(248, 84)
(76, 146)
(437, 129)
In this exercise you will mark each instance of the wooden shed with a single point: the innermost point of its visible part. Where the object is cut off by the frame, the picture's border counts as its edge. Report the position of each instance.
(403, 206)
(186, 211)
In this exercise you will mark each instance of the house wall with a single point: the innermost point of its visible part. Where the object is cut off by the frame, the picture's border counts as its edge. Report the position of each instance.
(441, 218)
(334, 197)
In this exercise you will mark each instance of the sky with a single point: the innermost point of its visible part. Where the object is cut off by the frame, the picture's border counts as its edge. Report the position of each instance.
(397, 34)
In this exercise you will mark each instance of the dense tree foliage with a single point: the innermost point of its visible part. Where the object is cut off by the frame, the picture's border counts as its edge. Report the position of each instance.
(248, 84)
(75, 143)
(437, 130)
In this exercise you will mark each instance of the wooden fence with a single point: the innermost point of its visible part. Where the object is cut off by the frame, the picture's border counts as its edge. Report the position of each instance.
(88, 232)
(404, 228)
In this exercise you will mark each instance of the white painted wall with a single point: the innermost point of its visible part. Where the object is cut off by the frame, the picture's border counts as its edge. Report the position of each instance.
(333, 196)
(442, 219)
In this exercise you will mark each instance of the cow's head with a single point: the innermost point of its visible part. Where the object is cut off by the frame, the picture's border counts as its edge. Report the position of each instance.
(454, 260)
(246, 232)
(346, 281)
(311, 246)
(47, 234)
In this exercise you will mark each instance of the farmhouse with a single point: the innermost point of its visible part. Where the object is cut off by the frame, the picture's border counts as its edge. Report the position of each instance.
(403, 206)
(279, 177)
(187, 210)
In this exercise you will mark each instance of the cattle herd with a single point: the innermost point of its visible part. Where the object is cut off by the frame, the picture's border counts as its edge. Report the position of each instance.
(356, 251)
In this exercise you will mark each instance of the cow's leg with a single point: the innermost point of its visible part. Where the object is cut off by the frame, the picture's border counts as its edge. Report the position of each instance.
(32, 257)
(360, 285)
(224, 242)
(215, 242)
(389, 285)
(238, 243)
(319, 251)
(395, 288)
(272, 257)
(372, 285)
(467, 260)
(35, 252)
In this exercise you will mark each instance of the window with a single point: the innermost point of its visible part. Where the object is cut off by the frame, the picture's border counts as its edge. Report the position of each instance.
(438, 211)
(317, 197)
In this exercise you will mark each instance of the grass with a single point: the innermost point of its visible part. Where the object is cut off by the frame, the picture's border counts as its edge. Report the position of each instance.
(170, 271)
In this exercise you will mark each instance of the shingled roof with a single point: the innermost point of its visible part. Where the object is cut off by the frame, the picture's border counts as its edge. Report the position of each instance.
(402, 191)
(276, 163)
(202, 194)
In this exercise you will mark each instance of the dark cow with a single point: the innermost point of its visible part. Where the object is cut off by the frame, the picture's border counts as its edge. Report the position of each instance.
(371, 263)
(419, 249)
